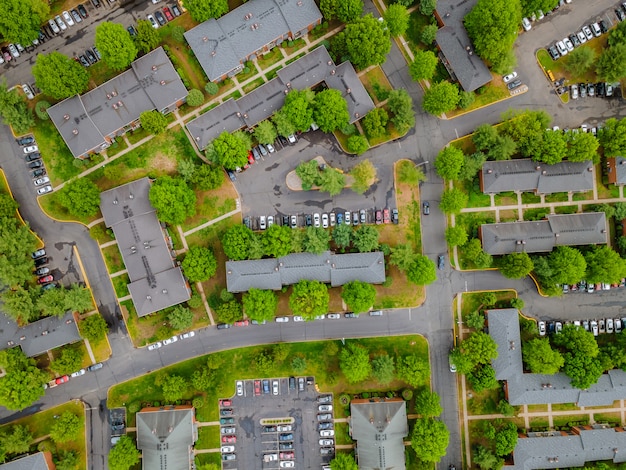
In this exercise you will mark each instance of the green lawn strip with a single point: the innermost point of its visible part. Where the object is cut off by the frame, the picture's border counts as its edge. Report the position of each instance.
(376, 84)
(484, 96)
(556, 197)
(566, 209)
(289, 47)
(473, 301)
(116, 147)
(293, 59)
(209, 458)
(209, 205)
(113, 258)
(267, 60)
(208, 437)
(175, 237)
(136, 135)
(476, 198)
(249, 71)
(507, 198)
(235, 96)
(101, 350)
(570, 421)
(253, 84)
(273, 73)
(530, 198)
(120, 284)
(540, 408)
(612, 418)
(586, 196)
(483, 403)
(342, 435)
(241, 364)
(539, 424)
(208, 108)
(100, 234)
(390, 134)
(51, 206)
(536, 214)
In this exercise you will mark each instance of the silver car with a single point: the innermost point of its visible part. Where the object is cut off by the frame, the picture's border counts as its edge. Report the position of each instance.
(44, 189)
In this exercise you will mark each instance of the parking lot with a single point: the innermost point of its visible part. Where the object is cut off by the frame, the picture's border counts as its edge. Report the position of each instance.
(34, 164)
(277, 423)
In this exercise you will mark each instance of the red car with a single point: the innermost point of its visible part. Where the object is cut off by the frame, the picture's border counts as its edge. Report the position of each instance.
(229, 439)
(62, 380)
(386, 217)
(168, 14)
(45, 279)
(242, 323)
(250, 158)
(257, 388)
(287, 456)
(225, 403)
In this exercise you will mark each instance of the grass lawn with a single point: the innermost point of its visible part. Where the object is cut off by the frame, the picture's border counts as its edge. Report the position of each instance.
(556, 197)
(113, 258)
(321, 358)
(376, 84)
(530, 198)
(342, 435)
(417, 22)
(99, 233)
(248, 72)
(208, 437)
(613, 418)
(566, 209)
(472, 301)
(136, 135)
(210, 204)
(484, 96)
(536, 214)
(483, 403)
(267, 60)
(390, 134)
(537, 424)
(253, 84)
(120, 284)
(476, 198)
(235, 96)
(117, 146)
(273, 73)
(292, 46)
(569, 421)
(211, 458)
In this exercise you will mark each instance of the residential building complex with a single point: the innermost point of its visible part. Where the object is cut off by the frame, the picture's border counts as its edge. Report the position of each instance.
(223, 45)
(38, 461)
(156, 281)
(89, 123)
(616, 170)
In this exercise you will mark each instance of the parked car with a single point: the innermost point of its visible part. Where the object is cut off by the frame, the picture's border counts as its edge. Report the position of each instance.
(509, 77)
(526, 24)
(153, 22)
(327, 433)
(554, 52)
(609, 325)
(169, 341)
(42, 271)
(31, 157)
(573, 91)
(351, 315)
(348, 218)
(581, 37)
(31, 149)
(68, 18)
(37, 173)
(542, 328)
(561, 47)
(378, 217)
(60, 23)
(513, 85)
(568, 44)
(83, 11)
(587, 32)
(223, 326)
(325, 408)
(26, 140)
(61, 380)
(316, 220)
(426, 208)
(42, 180)
(228, 430)
(91, 57)
(395, 216)
(326, 442)
(155, 346)
(242, 323)
(160, 18)
(324, 426)
(574, 39)
(176, 10)
(239, 387)
(333, 316)
(363, 216)
(441, 262)
(78, 373)
(44, 189)
(229, 439)
(95, 367)
(595, 29)
(332, 219)
(282, 319)
(168, 14)
(27, 91)
(266, 387)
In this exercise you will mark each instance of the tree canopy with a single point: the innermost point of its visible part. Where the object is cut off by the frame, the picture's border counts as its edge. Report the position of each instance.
(236, 241)
(449, 163)
(383, 369)
(441, 98)
(552, 148)
(59, 76)
(66, 428)
(364, 175)
(452, 201)
(611, 65)
(115, 45)
(180, 317)
(568, 265)
(94, 327)
(580, 60)
(359, 296)
(81, 197)
(516, 265)
(344, 10)
(276, 240)
(23, 382)
(582, 146)
(124, 454)
(604, 265)
(265, 132)
(309, 299)
(423, 66)
(427, 403)
(413, 369)
(147, 37)
(363, 42)
(330, 110)
(202, 10)
(16, 244)
(14, 110)
(21, 19)
(153, 121)
(173, 200)
(343, 461)
(299, 107)
(540, 358)
(397, 19)
(354, 361)
(199, 264)
(260, 305)
(401, 106)
(430, 439)
(421, 271)
(232, 149)
(613, 137)
(456, 236)
(365, 238)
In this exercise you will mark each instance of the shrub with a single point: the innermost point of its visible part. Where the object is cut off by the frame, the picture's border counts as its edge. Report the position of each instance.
(344, 399)
(195, 97)
(211, 88)
(41, 110)
(198, 402)
(178, 33)
(407, 394)
(134, 407)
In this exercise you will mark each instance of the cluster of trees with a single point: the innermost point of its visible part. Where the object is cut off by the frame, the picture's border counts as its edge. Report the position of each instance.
(343, 462)
(22, 19)
(23, 382)
(501, 437)
(239, 242)
(124, 454)
(328, 179)
(202, 10)
(473, 356)
(16, 244)
(613, 137)
(357, 364)
(14, 110)
(59, 76)
(430, 436)
(611, 65)
(173, 199)
(419, 269)
(364, 42)
(14, 440)
(199, 264)
(80, 197)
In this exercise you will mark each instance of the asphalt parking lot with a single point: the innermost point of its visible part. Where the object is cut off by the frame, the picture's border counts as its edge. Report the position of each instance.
(261, 441)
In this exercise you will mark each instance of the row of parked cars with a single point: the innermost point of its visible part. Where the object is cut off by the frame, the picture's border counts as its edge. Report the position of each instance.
(539, 15)
(325, 425)
(601, 326)
(588, 32)
(260, 151)
(297, 318)
(172, 340)
(325, 220)
(162, 16)
(584, 286)
(584, 90)
(227, 430)
(44, 277)
(34, 163)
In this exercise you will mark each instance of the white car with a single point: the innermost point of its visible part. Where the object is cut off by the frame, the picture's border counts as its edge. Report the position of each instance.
(68, 18)
(44, 189)
(509, 77)
(326, 442)
(78, 373)
(568, 44)
(274, 387)
(54, 26)
(28, 92)
(609, 325)
(298, 318)
(40, 181)
(155, 346)
(282, 319)
(262, 224)
(153, 22)
(347, 218)
(561, 47)
(595, 28)
(526, 24)
(284, 428)
(320, 317)
(270, 148)
(558, 326)
(228, 449)
(542, 328)
(618, 325)
(171, 340)
(292, 139)
(287, 464)
(316, 220)
(573, 91)
(60, 22)
(190, 334)
(325, 408)
(13, 50)
(327, 433)
(31, 149)
(587, 33)
(239, 388)
(270, 221)
(333, 316)
(325, 220)
(594, 327)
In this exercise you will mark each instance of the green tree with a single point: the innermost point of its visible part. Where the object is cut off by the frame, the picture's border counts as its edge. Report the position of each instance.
(582, 146)
(173, 200)
(475, 320)
(309, 174)
(613, 137)
(617, 35)
(479, 348)
(552, 148)
(409, 173)
(124, 454)
(180, 318)
(429, 34)
(363, 42)
(282, 121)
(66, 428)
(441, 98)
(354, 361)
(23, 382)
(359, 296)
(229, 312)
(16, 244)
(466, 99)
(604, 265)
(492, 25)
(489, 299)
(260, 305)
(357, 144)
(309, 299)
(332, 181)
(456, 236)
(330, 110)
(59, 76)
(199, 264)
(70, 361)
(115, 44)
(316, 240)
(67, 460)
(265, 132)
(428, 7)
(20, 304)
(485, 136)
(413, 370)
(232, 149)
(516, 265)
(52, 302)
(299, 107)
(423, 66)
(202, 379)
(568, 265)
(94, 327)
(81, 197)
(429, 439)
(344, 10)
(421, 271)
(482, 378)
(364, 175)
(147, 37)
(342, 235)
(505, 147)
(374, 123)
(427, 403)
(611, 65)
(343, 461)
(8, 205)
(276, 241)
(207, 177)
(485, 459)
(174, 388)
(365, 238)
(402, 256)
(506, 439)
(540, 358)
(527, 129)
(236, 241)
(202, 10)
(452, 201)
(153, 121)
(580, 60)
(21, 19)
(14, 110)
(397, 19)
(449, 163)
(383, 369)
(583, 371)
(78, 299)
(15, 440)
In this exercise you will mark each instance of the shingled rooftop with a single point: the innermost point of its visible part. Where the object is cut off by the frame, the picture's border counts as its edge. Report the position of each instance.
(223, 45)
(588, 228)
(455, 45)
(310, 70)
(274, 273)
(156, 282)
(90, 122)
(540, 389)
(616, 170)
(527, 176)
(38, 461)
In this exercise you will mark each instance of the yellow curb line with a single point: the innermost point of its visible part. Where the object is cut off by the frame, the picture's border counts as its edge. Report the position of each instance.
(17, 212)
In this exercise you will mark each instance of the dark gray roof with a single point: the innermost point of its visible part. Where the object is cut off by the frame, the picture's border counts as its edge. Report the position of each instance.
(567, 450)
(165, 438)
(30, 462)
(528, 389)
(379, 426)
(618, 166)
(86, 121)
(156, 282)
(589, 228)
(273, 273)
(526, 175)
(222, 45)
(260, 104)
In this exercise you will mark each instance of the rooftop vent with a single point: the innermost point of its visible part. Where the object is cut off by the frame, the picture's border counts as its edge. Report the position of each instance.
(162, 82)
(115, 202)
(114, 93)
(623, 162)
(590, 168)
(489, 171)
(205, 39)
(67, 118)
(120, 104)
(332, 72)
(154, 68)
(164, 291)
(299, 3)
(75, 131)
(537, 168)
(356, 115)
(108, 96)
(330, 62)
(131, 196)
(213, 53)
(148, 297)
